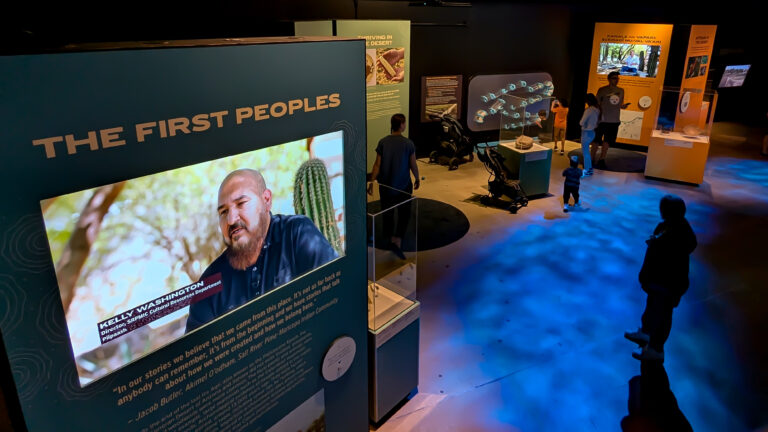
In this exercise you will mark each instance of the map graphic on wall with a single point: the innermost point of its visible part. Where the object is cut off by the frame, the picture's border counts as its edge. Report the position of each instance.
(631, 124)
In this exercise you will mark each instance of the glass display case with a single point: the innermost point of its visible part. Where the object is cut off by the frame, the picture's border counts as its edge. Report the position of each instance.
(679, 143)
(530, 117)
(525, 140)
(393, 310)
(392, 219)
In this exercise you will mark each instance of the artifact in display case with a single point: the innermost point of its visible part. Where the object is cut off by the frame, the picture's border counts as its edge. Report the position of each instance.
(393, 311)
(526, 121)
(680, 139)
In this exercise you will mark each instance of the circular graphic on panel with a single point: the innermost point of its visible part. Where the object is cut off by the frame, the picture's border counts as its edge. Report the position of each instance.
(685, 101)
(645, 102)
(338, 358)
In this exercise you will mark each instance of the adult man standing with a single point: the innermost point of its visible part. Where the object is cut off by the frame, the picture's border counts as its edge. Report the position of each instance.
(395, 161)
(264, 251)
(611, 100)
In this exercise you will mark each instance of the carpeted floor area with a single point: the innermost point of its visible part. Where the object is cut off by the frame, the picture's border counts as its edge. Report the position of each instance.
(522, 318)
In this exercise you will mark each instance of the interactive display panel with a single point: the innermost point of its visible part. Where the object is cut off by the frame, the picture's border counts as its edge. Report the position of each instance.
(734, 76)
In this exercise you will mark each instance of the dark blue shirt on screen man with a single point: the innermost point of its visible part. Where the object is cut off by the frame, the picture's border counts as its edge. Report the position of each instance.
(293, 246)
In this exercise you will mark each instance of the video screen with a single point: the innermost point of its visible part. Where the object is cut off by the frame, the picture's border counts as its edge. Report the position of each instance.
(142, 262)
(629, 59)
(696, 66)
(734, 76)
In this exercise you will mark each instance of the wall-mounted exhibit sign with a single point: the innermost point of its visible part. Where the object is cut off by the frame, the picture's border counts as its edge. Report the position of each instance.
(488, 106)
(174, 259)
(638, 53)
(440, 95)
(387, 68)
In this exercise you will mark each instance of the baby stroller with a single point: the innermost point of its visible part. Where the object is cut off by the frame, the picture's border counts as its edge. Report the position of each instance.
(454, 146)
(499, 183)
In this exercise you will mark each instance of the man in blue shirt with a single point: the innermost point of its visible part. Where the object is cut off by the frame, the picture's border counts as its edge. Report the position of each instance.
(264, 251)
(395, 160)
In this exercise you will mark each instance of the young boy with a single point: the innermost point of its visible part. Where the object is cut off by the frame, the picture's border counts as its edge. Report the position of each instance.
(560, 108)
(572, 176)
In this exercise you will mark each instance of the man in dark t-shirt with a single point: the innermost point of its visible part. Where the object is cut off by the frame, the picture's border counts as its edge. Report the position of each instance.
(395, 160)
(611, 100)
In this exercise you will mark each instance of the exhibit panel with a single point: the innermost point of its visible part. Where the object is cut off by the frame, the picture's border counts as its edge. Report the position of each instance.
(638, 54)
(697, 65)
(187, 225)
(441, 96)
(680, 141)
(393, 308)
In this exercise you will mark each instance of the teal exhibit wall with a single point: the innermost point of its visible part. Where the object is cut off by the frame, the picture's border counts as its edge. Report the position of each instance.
(114, 158)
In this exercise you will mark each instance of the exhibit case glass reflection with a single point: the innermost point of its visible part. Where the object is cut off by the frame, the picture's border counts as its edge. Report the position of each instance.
(393, 309)
(525, 137)
(528, 119)
(392, 213)
(680, 140)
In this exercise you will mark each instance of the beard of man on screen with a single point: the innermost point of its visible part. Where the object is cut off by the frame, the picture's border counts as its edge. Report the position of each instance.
(264, 251)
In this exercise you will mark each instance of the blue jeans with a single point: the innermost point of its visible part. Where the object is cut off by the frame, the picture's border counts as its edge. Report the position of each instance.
(587, 136)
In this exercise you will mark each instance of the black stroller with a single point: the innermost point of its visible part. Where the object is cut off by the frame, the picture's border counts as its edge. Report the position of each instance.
(454, 146)
(499, 183)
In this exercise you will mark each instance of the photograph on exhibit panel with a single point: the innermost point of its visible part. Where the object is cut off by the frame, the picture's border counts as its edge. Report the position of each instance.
(390, 65)
(142, 262)
(370, 67)
(629, 59)
(696, 66)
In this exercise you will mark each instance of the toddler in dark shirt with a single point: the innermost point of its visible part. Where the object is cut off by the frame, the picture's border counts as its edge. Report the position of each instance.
(572, 176)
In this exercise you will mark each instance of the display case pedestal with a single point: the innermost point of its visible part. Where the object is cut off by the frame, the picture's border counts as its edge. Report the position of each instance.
(680, 140)
(531, 166)
(393, 369)
(673, 156)
(393, 311)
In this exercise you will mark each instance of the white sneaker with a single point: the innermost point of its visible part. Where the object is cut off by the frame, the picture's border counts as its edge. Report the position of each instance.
(566, 208)
(648, 353)
(577, 205)
(637, 337)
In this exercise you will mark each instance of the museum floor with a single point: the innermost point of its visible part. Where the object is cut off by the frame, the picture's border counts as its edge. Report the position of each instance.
(522, 318)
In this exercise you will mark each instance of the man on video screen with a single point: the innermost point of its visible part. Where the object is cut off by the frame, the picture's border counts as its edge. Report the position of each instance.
(264, 251)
